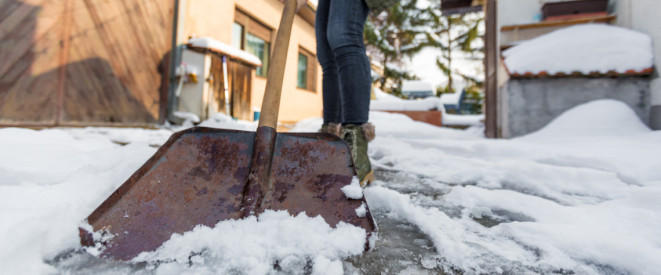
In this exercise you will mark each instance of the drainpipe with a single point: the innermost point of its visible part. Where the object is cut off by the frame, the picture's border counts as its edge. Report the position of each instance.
(175, 57)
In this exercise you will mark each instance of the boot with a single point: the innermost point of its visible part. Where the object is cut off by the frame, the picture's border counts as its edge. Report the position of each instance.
(355, 137)
(370, 132)
(333, 128)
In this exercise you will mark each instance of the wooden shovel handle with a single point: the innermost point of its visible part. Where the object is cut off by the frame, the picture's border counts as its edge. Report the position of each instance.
(276, 72)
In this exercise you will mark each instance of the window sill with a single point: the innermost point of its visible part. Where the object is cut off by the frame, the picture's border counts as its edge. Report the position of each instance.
(306, 90)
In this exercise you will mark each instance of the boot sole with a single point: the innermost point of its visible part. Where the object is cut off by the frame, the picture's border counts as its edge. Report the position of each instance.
(369, 178)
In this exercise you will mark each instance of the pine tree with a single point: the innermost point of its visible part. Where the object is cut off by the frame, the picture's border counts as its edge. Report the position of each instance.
(457, 36)
(393, 35)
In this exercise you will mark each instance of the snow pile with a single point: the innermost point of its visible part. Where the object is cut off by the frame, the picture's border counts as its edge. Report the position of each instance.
(579, 195)
(210, 43)
(463, 120)
(386, 102)
(451, 98)
(255, 245)
(605, 117)
(584, 48)
(621, 233)
(50, 180)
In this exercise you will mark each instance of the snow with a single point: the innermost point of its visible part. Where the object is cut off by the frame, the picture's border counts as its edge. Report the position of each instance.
(583, 48)
(362, 210)
(255, 244)
(387, 102)
(579, 196)
(604, 117)
(416, 86)
(210, 43)
(463, 120)
(451, 98)
(353, 190)
(187, 116)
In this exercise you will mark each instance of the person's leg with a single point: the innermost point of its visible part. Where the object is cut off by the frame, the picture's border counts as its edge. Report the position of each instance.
(330, 82)
(345, 37)
(346, 20)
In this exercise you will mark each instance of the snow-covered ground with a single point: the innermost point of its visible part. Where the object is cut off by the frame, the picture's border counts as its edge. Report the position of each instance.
(579, 196)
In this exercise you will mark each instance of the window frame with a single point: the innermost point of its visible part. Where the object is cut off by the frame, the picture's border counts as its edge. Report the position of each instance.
(311, 74)
(259, 30)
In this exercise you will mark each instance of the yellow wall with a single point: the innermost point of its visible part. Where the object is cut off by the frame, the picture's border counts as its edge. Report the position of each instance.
(214, 18)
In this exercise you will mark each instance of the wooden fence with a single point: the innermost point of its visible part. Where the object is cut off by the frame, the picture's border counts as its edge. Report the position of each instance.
(84, 62)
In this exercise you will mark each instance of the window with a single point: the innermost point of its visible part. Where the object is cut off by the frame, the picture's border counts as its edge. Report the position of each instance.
(259, 48)
(302, 81)
(306, 70)
(254, 37)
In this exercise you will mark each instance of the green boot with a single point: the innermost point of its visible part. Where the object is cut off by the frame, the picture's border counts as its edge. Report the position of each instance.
(333, 128)
(354, 135)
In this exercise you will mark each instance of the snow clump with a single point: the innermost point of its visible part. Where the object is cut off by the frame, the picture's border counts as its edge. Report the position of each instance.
(353, 190)
(257, 245)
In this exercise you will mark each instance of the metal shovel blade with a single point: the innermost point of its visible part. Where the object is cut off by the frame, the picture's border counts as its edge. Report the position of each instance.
(200, 177)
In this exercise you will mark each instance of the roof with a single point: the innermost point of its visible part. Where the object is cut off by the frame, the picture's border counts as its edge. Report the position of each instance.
(451, 98)
(216, 46)
(582, 50)
(416, 86)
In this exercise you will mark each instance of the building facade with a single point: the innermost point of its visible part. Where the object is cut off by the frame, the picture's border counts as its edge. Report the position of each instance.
(523, 97)
(113, 63)
(252, 25)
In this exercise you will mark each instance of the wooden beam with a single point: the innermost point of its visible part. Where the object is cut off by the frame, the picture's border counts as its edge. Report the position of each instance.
(63, 59)
(546, 24)
(491, 68)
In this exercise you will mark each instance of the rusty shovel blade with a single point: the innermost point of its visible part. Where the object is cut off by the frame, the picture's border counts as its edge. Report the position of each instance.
(202, 176)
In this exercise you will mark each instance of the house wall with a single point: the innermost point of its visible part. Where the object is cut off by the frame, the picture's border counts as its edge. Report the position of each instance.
(214, 19)
(517, 12)
(643, 15)
(533, 103)
(81, 63)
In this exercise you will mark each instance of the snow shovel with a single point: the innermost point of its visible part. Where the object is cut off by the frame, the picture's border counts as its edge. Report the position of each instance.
(202, 176)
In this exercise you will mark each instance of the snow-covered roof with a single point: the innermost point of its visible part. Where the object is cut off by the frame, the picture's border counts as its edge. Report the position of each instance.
(222, 48)
(416, 86)
(451, 98)
(388, 102)
(588, 49)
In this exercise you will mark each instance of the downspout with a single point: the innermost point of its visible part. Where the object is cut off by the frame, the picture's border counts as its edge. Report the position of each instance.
(175, 57)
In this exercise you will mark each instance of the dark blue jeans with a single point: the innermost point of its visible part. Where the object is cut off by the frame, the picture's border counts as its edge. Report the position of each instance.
(341, 53)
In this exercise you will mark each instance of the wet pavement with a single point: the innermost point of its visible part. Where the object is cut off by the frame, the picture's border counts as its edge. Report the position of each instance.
(402, 248)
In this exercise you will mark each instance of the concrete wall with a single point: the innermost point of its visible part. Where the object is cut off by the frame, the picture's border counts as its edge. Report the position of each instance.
(214, 18)
(532, 103)
(517, 12)
(643, 15)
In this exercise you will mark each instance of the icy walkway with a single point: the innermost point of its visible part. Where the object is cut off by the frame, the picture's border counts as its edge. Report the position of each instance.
(580, 196)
